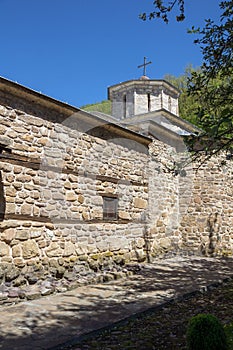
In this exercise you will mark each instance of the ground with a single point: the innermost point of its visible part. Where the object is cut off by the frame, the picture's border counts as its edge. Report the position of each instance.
(164, 328)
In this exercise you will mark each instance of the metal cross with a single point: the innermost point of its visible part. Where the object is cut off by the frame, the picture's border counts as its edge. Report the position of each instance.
(144, 65)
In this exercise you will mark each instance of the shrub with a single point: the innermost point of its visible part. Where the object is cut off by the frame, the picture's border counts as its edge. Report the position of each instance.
(205, 332)
(229, 333)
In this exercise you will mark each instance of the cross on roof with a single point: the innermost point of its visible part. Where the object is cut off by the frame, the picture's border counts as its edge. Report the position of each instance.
(144, 65)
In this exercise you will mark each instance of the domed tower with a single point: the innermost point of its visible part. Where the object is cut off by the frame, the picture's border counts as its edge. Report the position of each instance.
(135, 97)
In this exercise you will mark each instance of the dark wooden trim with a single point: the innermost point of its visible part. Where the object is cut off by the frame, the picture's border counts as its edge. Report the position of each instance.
(55, 221)
(22, 217)
(36, 164)
(109, 195)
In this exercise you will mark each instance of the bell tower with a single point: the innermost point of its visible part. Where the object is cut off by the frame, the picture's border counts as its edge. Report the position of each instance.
(135, 97)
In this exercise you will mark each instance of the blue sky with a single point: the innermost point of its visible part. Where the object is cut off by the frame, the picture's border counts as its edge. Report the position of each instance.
(73, 50)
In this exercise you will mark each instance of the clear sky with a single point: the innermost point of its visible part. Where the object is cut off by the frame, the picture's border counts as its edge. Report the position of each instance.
(73, 50)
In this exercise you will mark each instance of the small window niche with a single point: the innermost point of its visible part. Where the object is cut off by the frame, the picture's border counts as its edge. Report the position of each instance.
(124, 106)
(169, 104)
(149, 102)
(110, 207)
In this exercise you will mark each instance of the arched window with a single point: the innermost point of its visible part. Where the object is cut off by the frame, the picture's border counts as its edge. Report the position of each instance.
(124, 106)
(148, 102)
(169, 103)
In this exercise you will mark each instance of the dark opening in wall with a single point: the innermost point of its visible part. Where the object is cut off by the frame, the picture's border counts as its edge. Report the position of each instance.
(124, 106)
(149, 102)
(110, 208)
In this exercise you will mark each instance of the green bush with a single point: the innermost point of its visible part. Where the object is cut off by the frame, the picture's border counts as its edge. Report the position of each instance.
(229, 333)
(205, 332)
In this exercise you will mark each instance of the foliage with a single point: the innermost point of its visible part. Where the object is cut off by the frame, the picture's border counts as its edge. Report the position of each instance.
(103, 107)
(229, 333)
(213, 85)
(188, 104)
(208, 101)
(205, 332)
(162, 10)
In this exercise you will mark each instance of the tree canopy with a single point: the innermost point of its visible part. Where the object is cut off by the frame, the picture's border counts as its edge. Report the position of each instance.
(163, 8)
(188, 104)
(212, 85)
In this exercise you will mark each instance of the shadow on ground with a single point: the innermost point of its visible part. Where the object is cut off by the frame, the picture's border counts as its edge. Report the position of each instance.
(53, 320)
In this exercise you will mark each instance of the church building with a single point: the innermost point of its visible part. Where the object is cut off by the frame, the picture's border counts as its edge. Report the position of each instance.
(85, 193)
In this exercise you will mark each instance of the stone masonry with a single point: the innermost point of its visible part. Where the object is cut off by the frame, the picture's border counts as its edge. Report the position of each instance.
(58, 164)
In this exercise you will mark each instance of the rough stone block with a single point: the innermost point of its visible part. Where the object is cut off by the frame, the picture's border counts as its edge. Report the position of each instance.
(69, 249)
(8, 235)
(54, 250)
(124, 215)
(30, 249)
(140, 203)
(4, 249)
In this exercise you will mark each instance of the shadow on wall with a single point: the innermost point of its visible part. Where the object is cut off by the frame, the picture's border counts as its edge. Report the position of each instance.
(147, 240)
(2, 199)
(210, 248)
(212, 222)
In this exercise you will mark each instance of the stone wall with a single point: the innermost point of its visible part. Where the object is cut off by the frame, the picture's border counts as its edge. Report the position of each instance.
(52, 188)
(55, 170)
(207, 224)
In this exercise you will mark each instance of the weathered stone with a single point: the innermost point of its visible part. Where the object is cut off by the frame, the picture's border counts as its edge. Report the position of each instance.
(16, 251)
(108, 277)
(94, 265)
(17, 185)
(4, 249)
(12, 273)
(73, 178)
(23, 178)
(26, 209)
(10, 191)
(19, 262)
(117, 243)
(22, 235)
(8, 235)
(140, 254)
(97, 214)
(102, 245)
(119, 259)
(33, 293)
(85, 215)
(58, 196)
(3, 296)
(165, 243)
(70, 196)
(124, 215)
(10, 208)
(140, 242)
(60, 271)
(140, 203)
(54, 250)
(69, 249)
(81, 199)
(19, 281)
(30, 249)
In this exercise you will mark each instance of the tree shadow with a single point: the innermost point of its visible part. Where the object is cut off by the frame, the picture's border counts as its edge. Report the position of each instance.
(212, 221)
(47, 322)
